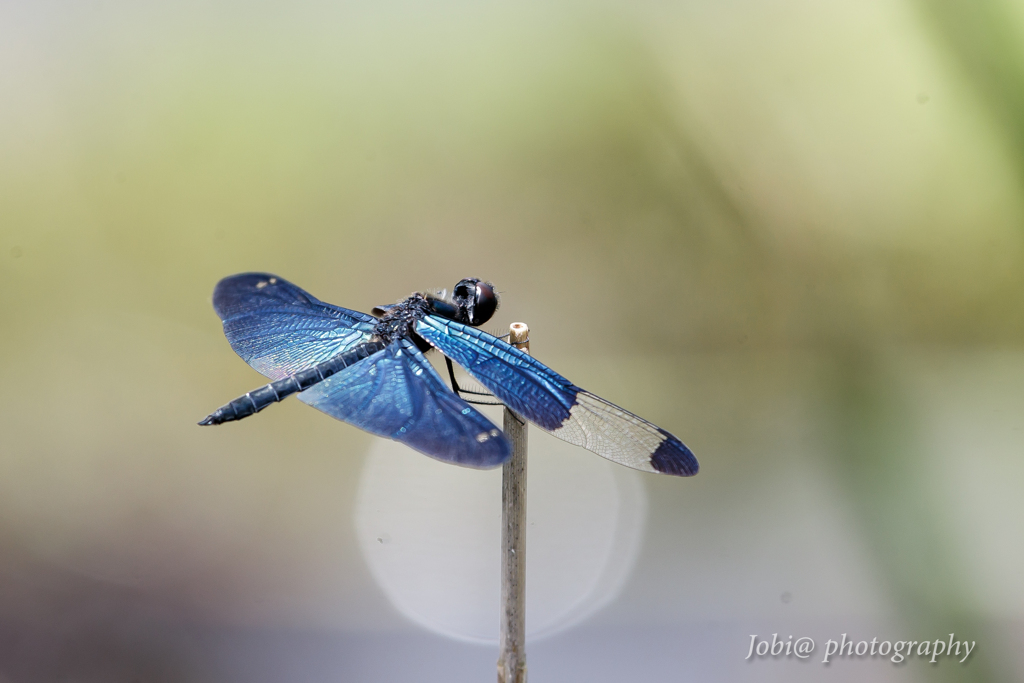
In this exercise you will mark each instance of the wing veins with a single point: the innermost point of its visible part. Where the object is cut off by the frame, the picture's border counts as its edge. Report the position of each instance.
(529, 387)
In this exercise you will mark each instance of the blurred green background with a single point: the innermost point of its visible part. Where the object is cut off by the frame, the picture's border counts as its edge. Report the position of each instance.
(790, 232)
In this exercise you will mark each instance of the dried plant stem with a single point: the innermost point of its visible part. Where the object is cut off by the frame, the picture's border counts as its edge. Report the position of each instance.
(512, 658)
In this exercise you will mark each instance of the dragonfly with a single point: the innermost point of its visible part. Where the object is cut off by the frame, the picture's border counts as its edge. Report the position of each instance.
(370, 371)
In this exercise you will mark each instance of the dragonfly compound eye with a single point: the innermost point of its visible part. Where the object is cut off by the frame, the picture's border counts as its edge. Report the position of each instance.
(476, 301)
(486, 303)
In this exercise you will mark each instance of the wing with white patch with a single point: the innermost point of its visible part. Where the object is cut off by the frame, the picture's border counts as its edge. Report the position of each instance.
(555, 404)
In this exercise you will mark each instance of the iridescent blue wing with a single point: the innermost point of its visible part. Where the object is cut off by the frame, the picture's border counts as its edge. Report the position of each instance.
(555, 404)
(397, 393)
(279, 329)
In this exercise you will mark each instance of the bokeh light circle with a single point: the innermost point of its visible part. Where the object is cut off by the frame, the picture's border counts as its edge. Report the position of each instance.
(430, 533)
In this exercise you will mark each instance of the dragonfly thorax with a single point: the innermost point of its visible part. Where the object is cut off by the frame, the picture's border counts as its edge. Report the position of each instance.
(398, 319)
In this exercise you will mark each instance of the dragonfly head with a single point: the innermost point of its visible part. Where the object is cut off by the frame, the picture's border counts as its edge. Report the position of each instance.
(476, 301)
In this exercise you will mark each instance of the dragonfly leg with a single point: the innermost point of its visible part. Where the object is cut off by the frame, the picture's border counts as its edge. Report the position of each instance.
(459, 390)
(451, 374)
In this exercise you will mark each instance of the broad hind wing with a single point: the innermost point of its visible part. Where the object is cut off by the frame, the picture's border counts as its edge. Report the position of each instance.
(397, 393)
(555, 404)
(279, 329)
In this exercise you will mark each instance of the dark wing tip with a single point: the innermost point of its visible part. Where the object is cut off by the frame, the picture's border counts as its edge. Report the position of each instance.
(673, 457)
(502, 453)
(230, 291)
(243, 280)
(479, 456)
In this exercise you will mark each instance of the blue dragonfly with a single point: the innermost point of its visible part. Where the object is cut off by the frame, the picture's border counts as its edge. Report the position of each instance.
(370, 371)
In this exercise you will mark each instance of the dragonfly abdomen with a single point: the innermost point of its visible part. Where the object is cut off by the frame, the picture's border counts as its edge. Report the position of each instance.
(258, 399)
